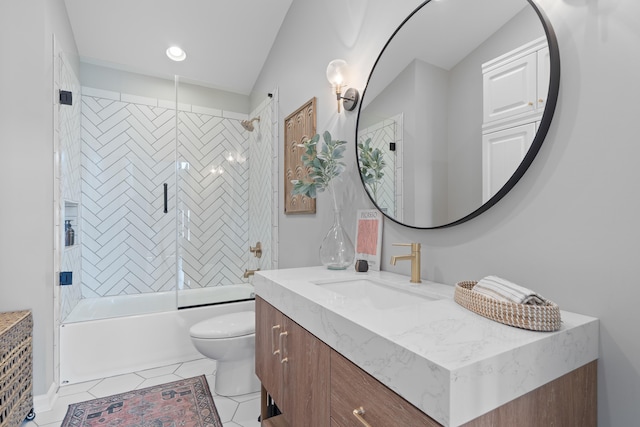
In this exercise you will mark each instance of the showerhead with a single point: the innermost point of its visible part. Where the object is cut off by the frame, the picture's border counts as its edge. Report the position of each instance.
(248, 124)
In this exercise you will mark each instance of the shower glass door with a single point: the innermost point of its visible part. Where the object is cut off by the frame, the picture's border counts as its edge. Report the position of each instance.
(214, 158)
(122, 197)
(128, 188)
(156, 181)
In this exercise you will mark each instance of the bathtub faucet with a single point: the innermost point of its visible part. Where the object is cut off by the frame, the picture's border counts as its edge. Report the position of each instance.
(248, 273)
(256, 250)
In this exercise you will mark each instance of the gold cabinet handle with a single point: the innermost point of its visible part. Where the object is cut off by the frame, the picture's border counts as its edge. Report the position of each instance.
(541, 100)
(273, 340)
(284, 359)
(531, 104)
(358, 413)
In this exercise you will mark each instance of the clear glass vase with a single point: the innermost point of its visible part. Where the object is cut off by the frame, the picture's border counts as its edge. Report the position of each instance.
(336, 251)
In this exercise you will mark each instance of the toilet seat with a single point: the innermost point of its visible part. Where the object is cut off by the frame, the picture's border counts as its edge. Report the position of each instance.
(225, 326)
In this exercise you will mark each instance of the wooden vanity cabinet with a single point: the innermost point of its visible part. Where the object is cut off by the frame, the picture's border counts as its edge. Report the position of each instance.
(293, 366)
(315, 386)
(353, 389)
(269, 324)
(570, 401)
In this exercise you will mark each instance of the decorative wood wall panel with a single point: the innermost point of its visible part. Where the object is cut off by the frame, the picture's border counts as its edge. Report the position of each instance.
(298, 126)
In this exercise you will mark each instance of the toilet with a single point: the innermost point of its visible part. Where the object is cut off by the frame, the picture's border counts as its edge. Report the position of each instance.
(230, 340)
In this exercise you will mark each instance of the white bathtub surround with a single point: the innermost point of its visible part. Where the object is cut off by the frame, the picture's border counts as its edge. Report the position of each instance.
(68, 192)
(451, 363)
(128, 152)
(157, 302)
(263, 183)
(107, 347)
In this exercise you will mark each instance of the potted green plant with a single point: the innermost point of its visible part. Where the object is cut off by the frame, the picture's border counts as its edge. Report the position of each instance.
(324, 166)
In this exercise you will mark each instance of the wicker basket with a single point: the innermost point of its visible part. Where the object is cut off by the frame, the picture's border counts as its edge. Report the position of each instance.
(533, 317)
(16, 368)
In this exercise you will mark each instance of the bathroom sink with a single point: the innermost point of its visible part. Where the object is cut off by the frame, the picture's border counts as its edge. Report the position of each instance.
(375, 293)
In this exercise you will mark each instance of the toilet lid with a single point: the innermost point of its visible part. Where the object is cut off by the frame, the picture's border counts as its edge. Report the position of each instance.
(225, 326)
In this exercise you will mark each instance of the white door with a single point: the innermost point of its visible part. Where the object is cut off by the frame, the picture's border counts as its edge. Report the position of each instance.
(510, 89)
(502, 153)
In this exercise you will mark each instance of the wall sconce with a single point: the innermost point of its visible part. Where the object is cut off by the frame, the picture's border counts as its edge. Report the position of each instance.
(336, 74)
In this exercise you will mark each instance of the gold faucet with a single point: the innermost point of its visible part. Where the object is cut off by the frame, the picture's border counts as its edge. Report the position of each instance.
(248, 273)
(414, 257)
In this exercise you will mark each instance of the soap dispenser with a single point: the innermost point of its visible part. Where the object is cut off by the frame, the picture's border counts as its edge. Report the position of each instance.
(69, 234)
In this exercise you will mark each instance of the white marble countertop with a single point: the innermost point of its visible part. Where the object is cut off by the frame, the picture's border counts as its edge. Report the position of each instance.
(446, 360)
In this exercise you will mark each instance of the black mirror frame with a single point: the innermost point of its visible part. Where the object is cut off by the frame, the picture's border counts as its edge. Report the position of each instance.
(545, 123)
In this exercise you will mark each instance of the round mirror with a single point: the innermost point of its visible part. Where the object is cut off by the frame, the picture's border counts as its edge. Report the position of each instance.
(456, 108)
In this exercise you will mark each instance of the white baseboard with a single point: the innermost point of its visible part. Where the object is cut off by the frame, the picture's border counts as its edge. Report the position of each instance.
(44, 402)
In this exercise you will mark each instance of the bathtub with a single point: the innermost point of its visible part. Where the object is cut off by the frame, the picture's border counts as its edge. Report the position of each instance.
(130, 305)
(117, 335)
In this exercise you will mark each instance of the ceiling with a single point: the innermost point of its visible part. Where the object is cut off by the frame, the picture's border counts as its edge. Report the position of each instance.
(226, 41)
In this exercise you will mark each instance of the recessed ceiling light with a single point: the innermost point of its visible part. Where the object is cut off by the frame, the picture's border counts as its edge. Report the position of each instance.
(176, 54)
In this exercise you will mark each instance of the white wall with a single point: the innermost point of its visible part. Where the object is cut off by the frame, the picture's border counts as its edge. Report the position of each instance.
(27, 237)
(313, 34)
(26, 135)
(569, 228)
(113, 79)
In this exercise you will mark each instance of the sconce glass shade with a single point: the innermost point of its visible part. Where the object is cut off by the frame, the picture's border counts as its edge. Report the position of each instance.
(337, 72)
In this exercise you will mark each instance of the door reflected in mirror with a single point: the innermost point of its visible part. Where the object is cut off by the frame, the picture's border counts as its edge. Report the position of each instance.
(456, 107)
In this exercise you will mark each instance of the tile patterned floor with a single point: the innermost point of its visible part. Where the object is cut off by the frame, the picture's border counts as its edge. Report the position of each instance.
(238, 411)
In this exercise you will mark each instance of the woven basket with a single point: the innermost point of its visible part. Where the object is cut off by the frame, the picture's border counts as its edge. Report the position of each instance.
(533, 317)
(16, 368)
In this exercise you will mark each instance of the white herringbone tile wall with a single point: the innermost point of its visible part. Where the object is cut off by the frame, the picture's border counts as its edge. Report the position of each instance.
(70, 182)
(261, 185)
(213, 193)
(128, 153)
(389, 194)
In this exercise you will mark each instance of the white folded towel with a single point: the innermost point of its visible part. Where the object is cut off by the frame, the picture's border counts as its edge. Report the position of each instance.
(503, 290)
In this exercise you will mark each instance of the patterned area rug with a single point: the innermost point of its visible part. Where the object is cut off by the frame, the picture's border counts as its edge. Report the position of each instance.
(184, 403)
